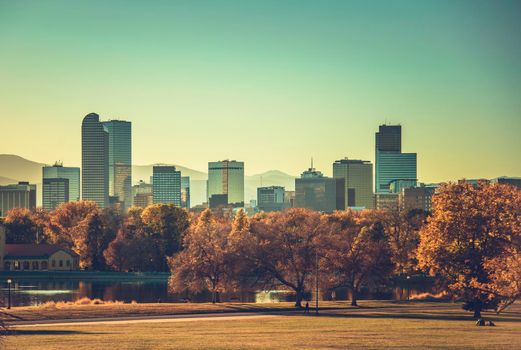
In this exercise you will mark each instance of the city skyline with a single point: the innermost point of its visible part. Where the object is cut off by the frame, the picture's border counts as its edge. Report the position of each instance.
(317, 79)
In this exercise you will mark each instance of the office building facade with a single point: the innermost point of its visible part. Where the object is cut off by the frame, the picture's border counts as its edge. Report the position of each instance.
(120, 160)
(21, 195)
(358, 182)
(226, 177)
(271, 198)
(52, 188)
(317, 192)
(55, 191)
(391, 163)
(94, 161)
(166, 185)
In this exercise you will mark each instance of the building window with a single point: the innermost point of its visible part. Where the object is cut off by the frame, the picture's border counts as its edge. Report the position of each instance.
(7, 265)
(44, 265)
(26, 265)
(53, 263)
(17, 265)
(68, 263)
(61, 263)
(35, 265)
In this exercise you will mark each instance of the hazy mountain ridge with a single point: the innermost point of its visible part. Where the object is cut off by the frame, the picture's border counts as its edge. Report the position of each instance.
(14, 168)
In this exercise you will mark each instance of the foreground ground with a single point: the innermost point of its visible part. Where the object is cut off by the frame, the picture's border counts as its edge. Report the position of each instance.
(373, 326)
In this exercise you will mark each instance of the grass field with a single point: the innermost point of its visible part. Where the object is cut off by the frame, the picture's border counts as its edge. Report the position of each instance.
(373, 326)
(62, 311)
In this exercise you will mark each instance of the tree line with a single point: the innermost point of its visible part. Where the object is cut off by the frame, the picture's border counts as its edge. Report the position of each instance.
(470, 242)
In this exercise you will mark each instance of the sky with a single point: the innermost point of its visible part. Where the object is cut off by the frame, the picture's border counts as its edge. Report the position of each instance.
(271, 83)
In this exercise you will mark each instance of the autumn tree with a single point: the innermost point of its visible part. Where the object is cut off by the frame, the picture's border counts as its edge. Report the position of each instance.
(356, 252)
(133, 249)
(65, 219)
(203, 264)
(403, 232)
(20, 226)
(471, 241)
(166, 224)
(284, 248)
(87, 238)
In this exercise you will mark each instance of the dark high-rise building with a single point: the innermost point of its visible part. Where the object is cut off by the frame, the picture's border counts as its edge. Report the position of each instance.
(94, 161)
(271, 198)
(315, 191)
(166, 185)
(21, 195)
(389, 138)
(391, 163)
(55, 191)
(120, 160)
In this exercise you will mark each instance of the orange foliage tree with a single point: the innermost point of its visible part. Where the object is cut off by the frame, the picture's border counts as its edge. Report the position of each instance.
(355, 252)
(472, 240)
(284, 247)
(204, 262)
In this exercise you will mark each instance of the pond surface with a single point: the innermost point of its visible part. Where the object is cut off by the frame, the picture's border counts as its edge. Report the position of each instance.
(38, 291)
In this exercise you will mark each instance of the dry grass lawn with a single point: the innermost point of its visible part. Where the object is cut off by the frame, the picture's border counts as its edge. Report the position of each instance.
(373, 326)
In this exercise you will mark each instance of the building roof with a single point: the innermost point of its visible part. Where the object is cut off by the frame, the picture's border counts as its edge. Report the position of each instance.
(42, 251)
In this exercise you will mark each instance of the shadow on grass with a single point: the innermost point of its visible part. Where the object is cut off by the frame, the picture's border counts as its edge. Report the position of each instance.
(45, 332)
(439, 316)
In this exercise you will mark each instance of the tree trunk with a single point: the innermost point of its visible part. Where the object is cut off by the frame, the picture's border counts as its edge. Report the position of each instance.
(298, 299)
(354, 297)
(213, 297)
(477, 310)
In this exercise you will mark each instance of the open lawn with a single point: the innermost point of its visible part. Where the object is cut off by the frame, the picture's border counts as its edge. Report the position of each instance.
(373, 326)
(61, 311)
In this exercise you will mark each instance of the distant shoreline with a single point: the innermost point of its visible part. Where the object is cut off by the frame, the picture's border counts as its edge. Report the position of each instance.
(84, 275)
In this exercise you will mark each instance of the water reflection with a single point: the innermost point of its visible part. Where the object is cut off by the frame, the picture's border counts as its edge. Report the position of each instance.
(35, 292)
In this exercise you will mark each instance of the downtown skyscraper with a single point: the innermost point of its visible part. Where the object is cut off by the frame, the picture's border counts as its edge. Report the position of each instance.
(60, 184)
(226, 178)
(391, 163)
(358, 182)
(94, 161)
(120, 160)
(166, 185)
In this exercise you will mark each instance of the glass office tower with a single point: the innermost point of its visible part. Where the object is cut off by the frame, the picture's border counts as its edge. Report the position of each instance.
(391, 163)
(226, 178)
(120, 160)
(94, 161)
(271, 198)
(166, 185)
(56, 172)
(358, 182)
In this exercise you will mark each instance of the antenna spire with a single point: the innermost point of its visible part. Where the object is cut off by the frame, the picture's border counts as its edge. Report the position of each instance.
(311, 162)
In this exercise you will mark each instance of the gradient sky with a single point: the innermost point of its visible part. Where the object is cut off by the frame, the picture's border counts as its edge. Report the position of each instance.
(271, 83)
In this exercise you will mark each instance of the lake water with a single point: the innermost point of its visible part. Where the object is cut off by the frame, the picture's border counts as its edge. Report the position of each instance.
(35, 292)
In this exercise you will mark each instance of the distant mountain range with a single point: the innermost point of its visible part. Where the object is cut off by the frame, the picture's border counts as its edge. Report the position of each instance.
(14, 168)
